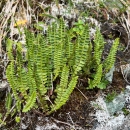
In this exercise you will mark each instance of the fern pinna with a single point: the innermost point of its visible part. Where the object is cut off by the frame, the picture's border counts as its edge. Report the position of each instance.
(54, 63)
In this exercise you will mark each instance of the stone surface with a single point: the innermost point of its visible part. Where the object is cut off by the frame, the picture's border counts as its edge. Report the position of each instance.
(105, 112)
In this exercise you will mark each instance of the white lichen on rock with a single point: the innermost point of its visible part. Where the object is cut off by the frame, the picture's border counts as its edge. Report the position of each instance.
(105, 120)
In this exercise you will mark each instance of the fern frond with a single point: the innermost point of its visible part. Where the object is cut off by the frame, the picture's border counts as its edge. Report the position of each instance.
(58, 57)
(22, 82)
(52, 39)
(52, 34)
(10, 74)
(61, 31)
(30, 102)
(49, 49)
(9, 46)
(69, 48)
(97, 78)
(89, 61)
(63, 81)
(49, 66)
(59, 49)
(18, 105)
(61, 99)
(44, 60)
(8, 102)
(39, 81)
(30, 44)
(21, 72)
(64, 77)
(110, 60)
(81, 49)
(98, 47)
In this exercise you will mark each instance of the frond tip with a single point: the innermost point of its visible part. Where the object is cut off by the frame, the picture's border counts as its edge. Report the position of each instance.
(30, 103)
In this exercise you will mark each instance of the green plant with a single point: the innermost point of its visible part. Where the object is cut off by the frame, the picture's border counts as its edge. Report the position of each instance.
(1, 121)
(125, 111)
(79, 27)
(52, 65)
(111, 96)
(100, 67)
(17, 119)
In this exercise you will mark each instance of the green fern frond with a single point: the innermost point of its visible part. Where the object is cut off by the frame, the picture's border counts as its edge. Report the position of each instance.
(58, 57)
(69, 49)
(39, 81)
(19, 57)
(97, 78)
(18, 105)
(81, 49)
(60, 89)
(41, 59)
(59, 48)
(64, 77)
(49, 67)
(8, 102)
(9, 49)
(10, 74)
(110, 60)
(30, 102)
(52, 39)
(22, 83)
(61, 99)
(61, 31)
(52, 34)
(89, 61)
(98, 47)
(21, 71)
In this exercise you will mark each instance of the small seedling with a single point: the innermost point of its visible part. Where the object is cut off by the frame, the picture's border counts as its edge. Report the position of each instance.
(79, 27)
(111, 96)
(125, 111)
(103, 84)
(96, 106)
(1, 121)
(17, 119)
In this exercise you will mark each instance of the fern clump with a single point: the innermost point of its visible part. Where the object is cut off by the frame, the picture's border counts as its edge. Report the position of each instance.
(53, 64)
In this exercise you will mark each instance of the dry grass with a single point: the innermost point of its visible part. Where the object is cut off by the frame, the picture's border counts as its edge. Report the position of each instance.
(13, 14)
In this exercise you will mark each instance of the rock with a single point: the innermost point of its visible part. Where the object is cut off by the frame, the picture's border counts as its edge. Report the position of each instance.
(3, 87)
(105, 112)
